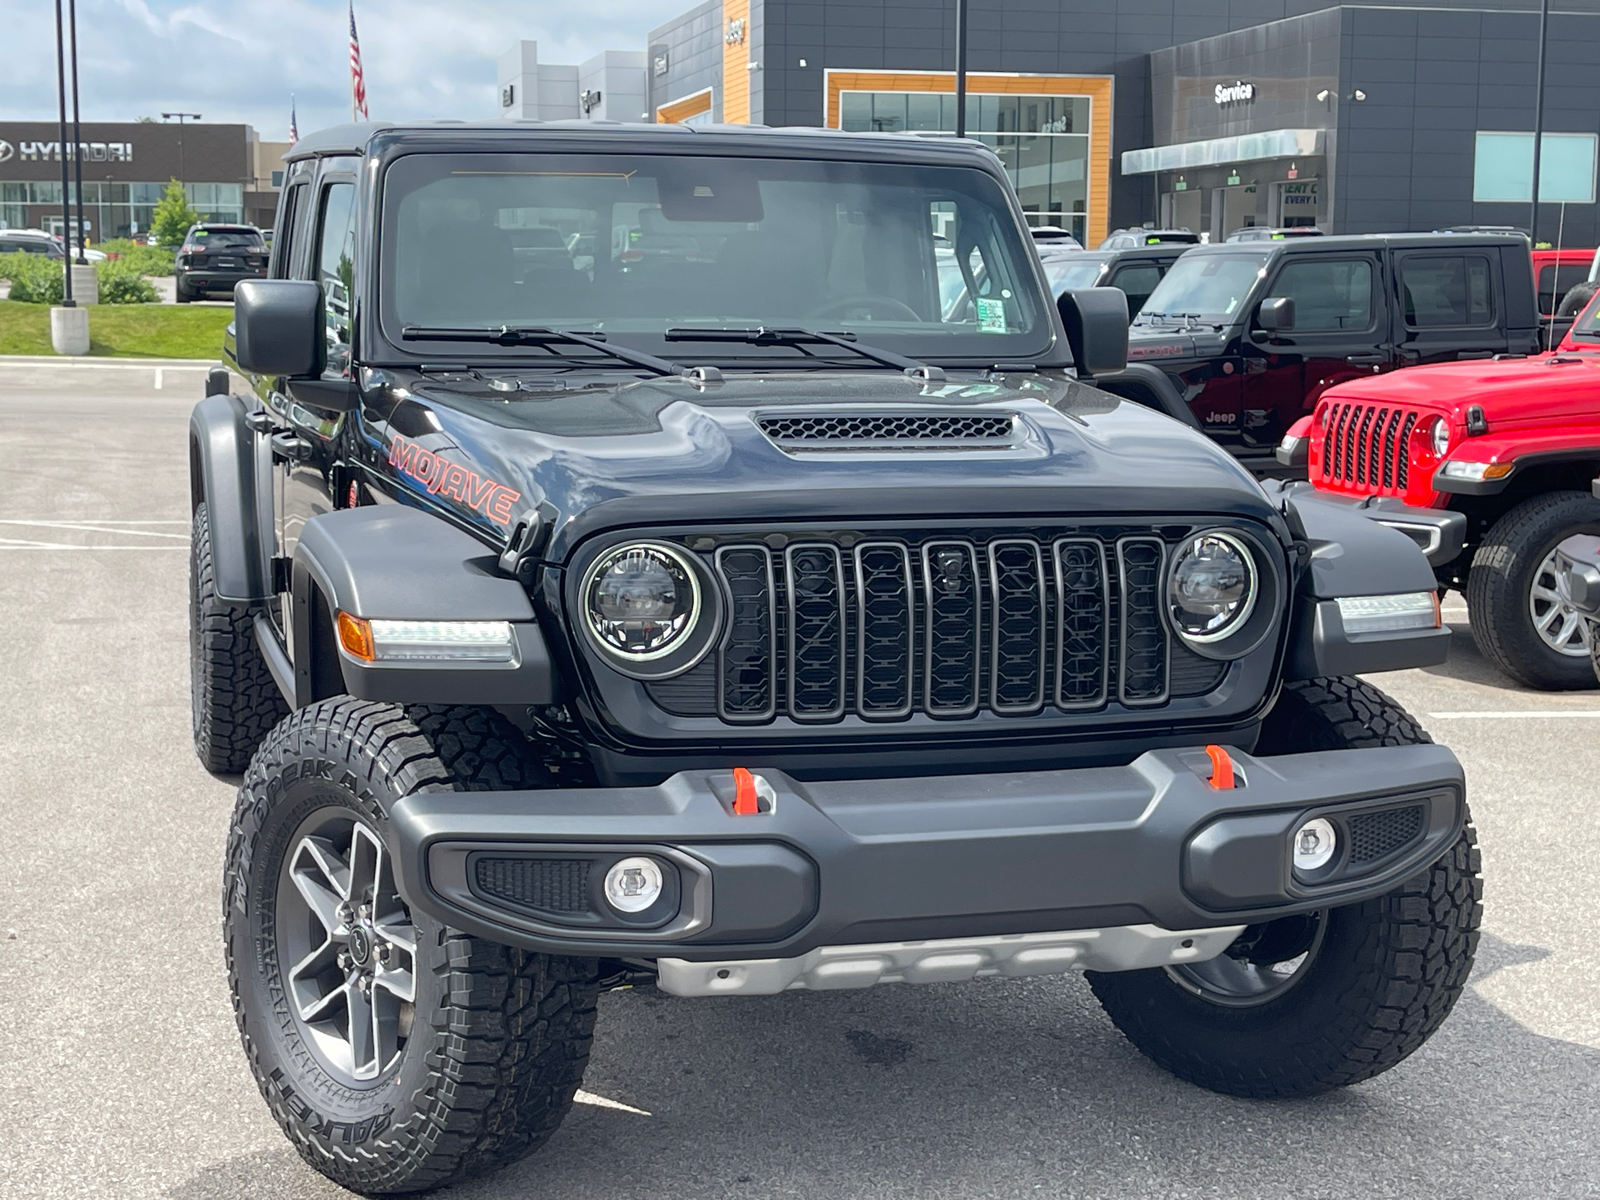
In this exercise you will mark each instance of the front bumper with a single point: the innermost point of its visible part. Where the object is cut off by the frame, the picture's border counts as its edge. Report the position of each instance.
(1439, 533)
(891, 861)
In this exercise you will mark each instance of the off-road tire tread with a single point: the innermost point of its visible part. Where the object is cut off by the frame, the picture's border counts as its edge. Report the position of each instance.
(1498, 609)
(237, 702)
(1412, 963)
(517, 1026)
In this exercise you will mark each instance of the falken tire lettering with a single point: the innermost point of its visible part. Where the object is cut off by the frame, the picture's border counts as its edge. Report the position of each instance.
(452, 481)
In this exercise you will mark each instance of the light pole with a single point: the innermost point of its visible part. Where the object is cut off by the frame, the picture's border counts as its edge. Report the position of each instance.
(1538, 123)
(961, 68)
(77, 135)
(181, 173)
(66, 210)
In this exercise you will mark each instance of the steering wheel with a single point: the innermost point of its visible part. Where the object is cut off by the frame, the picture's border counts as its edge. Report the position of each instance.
(885, 307)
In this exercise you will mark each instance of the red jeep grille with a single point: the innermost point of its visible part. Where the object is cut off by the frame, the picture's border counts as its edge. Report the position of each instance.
(1364, 448)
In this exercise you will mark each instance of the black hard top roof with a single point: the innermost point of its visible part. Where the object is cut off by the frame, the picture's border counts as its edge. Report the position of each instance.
(346, 140)
(1359, 241)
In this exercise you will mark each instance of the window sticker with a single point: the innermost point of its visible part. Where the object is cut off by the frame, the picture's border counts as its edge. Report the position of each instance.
(992, 316)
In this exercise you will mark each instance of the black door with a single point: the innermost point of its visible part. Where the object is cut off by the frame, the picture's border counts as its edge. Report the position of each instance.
(1447, 307)
(1340, 332)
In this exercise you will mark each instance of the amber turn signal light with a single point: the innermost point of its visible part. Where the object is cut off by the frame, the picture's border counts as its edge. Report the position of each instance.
(355, 635)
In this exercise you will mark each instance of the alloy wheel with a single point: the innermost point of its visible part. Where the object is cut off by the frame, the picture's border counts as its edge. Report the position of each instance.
(1263, 963)
(348, 937)
(1558, 624)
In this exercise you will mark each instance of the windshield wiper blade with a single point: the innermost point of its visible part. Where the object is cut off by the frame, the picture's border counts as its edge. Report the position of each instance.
(508, 335)
(800, 338)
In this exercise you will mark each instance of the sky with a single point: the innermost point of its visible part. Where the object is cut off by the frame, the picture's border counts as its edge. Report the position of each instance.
(233, 60)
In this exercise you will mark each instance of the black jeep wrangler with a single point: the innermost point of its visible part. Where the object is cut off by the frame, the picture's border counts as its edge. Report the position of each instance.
(620, 570)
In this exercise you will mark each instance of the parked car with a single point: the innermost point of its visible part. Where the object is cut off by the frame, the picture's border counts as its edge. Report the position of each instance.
(1239, 340)
(1135, 272)
(1488, 466)
(1268, 233)
(215, 257)
(29, 241)
(1129, 239)
(791, 634)
(1054, 237)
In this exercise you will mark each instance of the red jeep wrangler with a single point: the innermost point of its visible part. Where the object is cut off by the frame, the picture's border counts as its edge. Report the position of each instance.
(1487, 465)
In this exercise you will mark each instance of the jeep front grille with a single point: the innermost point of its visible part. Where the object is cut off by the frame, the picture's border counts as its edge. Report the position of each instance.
(881, 629)
(1365, 448)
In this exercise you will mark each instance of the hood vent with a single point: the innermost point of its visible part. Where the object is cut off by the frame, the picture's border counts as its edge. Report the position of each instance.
(889, 430)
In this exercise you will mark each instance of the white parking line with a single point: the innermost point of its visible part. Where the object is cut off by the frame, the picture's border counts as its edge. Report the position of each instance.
(582, 1097)
(104, 527)
(1551, 714)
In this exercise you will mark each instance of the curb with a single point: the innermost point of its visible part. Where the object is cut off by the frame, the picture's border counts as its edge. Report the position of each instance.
(103, 363)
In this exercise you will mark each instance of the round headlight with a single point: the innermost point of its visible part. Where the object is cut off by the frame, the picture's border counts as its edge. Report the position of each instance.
(642, 600)
(1439, 437)
(1211, 588)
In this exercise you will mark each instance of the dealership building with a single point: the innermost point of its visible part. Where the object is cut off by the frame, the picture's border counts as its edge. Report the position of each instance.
(227, 171)
(1210, 114)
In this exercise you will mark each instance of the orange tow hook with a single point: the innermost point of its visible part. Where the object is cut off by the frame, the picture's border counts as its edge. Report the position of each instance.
(1221, 767)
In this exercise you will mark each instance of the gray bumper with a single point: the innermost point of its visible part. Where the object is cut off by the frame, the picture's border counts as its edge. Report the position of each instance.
(860, 862)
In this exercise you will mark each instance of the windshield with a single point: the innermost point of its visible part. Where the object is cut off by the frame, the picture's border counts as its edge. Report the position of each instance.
(226, 239)
(926, 260)
(1210, 287)
(1066, 273)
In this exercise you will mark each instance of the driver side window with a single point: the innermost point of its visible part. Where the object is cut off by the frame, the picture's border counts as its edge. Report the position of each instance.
(1328, 296)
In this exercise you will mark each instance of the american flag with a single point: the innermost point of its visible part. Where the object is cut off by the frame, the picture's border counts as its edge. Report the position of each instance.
(358, 85)
(294, 125)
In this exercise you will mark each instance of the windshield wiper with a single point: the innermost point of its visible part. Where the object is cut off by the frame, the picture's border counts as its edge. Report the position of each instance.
(508, 335)
(801, 338)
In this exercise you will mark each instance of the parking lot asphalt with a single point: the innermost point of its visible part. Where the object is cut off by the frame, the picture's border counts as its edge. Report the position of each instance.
(121, 1074)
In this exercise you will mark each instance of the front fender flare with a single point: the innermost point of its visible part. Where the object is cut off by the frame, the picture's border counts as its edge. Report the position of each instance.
(225, 475)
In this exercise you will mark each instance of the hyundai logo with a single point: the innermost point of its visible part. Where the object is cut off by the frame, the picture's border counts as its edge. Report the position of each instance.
(6, 151)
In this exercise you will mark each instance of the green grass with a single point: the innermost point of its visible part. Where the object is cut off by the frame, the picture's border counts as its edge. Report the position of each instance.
(121, 330)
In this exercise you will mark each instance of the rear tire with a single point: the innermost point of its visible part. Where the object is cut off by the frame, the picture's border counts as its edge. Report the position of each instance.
(1297, 1006)
(473, 1050)
(233, 699)
(1511, 593)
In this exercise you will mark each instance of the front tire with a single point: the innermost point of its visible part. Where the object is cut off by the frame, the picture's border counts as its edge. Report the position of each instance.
(1305, 1004)
(396, 1054)
(1519, 621)
(233, 700)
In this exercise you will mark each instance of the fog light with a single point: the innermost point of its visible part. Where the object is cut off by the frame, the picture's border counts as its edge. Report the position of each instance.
(1314, 844)
(1389, 614)
(633, 884)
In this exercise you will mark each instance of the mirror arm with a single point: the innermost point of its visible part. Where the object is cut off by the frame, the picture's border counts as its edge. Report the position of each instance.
(331, 395)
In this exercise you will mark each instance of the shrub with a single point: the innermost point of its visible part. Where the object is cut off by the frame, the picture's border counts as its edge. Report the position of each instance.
(149, 260)
(35, 279)
(121, 283)
(172, 216)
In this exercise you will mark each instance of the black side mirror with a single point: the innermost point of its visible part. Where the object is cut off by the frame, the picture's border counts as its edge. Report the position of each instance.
(278, 327)
(1276, 314)
(1097, 329)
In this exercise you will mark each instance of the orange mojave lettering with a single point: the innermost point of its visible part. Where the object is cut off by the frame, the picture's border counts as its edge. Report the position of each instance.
(452, 481)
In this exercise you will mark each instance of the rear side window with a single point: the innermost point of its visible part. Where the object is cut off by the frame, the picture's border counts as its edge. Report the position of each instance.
(1446, 291)
(1137, 282)
(283, 241)
(1555, 280)
(1328, 294)
(336, 248)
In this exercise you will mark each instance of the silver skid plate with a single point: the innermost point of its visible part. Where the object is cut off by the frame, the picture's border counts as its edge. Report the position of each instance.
(1122, 948)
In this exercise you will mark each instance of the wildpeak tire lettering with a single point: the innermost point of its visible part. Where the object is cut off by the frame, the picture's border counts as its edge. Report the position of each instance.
(453, 481)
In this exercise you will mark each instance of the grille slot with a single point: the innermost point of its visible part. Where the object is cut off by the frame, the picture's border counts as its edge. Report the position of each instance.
(1018, 624)
(953, 656)
(1083, 623)
(845, 428)
(1364, 448)
(1144, 633)
(816, 631)
(885, 630)
(1375, 835)
(556, 885)
(747, 666)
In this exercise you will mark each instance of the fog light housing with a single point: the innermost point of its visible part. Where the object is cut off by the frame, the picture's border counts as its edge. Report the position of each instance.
(633, 884)
(1314, 845)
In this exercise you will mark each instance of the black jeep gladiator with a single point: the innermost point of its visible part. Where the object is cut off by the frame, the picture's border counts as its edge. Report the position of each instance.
(620, 569)
(1240, 339)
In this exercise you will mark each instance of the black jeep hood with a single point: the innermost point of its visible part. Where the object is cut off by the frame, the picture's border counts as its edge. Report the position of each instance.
(670, 451)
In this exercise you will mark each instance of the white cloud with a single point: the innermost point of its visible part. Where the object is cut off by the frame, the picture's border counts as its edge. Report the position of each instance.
(236, 61)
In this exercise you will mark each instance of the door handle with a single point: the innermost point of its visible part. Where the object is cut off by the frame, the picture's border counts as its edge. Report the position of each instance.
(1466, 355)
(290, 445)
(1366, 360)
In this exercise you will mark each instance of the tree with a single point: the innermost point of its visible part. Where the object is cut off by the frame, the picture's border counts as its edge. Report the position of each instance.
(173, 216)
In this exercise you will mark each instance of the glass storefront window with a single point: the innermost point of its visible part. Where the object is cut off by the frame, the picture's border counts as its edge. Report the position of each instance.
(112, 209)
(1042, 140)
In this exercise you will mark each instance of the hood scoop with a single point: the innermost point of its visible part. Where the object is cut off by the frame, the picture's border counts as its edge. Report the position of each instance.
(893, 430)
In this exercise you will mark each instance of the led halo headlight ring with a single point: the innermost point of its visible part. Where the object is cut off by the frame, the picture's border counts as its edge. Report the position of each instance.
(1439, 437)
(1241, 612)
(648, 608)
